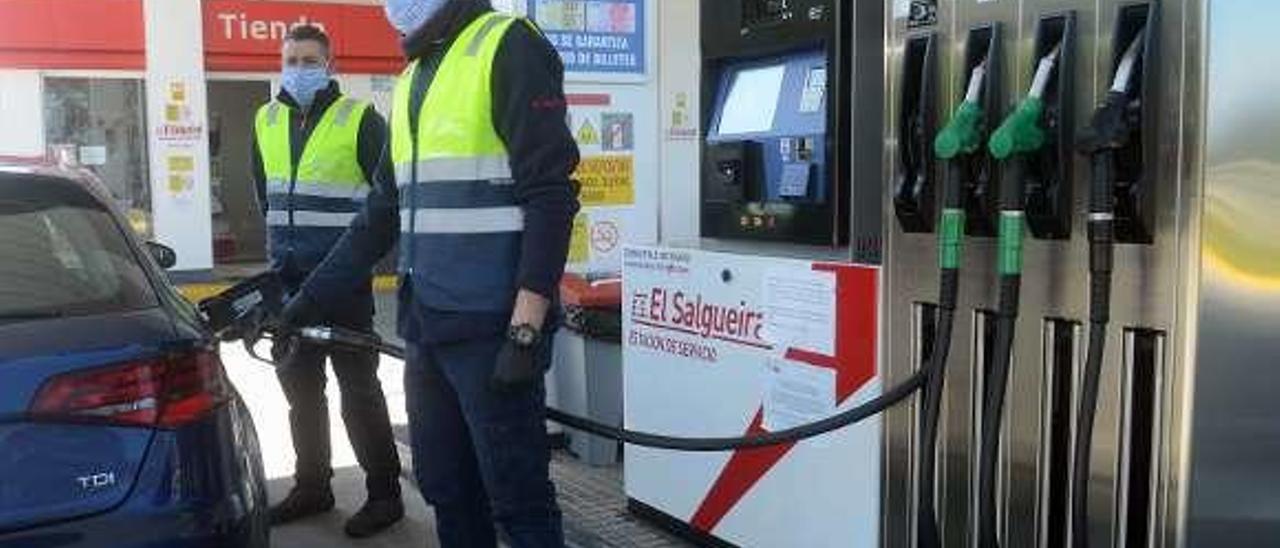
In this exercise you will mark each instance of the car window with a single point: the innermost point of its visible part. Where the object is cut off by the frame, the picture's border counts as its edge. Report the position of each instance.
(65, 258)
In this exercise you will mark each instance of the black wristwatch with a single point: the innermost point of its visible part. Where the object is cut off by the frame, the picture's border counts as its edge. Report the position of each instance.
(524, 335)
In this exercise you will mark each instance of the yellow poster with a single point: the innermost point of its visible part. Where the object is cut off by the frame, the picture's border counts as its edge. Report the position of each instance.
(178, 92)
(179, 164)
(607, 180)
(179, 184)
(578, 244)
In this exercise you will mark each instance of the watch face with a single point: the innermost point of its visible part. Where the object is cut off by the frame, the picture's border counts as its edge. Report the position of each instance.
(524, 335)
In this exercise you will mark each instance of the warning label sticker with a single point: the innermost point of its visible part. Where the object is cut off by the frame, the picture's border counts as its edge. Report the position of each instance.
(607, 180)
(587, 134)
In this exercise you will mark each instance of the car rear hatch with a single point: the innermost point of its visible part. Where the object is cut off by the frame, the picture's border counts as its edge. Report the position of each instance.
(75, 427)
(91, 364)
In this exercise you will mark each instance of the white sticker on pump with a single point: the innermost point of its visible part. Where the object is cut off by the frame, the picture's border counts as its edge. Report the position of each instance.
(800, 310)
(797, 394)
(815, 90)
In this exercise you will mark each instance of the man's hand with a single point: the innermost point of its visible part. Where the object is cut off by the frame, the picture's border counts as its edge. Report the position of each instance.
(517, 365)
(516, 369)
(531, 309)
(298, 312)
(283, 349)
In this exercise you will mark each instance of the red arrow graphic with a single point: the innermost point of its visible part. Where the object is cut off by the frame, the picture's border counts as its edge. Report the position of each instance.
(855, 365)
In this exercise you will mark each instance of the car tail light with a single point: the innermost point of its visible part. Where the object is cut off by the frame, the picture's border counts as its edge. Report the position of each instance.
(163, 392)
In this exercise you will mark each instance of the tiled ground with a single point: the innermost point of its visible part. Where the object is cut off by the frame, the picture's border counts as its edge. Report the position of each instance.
(595, 508)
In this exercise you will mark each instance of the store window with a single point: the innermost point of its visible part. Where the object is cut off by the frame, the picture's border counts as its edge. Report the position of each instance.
(99, 124)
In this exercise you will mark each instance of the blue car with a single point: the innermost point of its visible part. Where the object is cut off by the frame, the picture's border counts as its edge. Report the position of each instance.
(118, 426)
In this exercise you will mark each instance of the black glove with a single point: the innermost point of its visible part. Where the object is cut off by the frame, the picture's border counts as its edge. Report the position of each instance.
(298, 312)
(516, 370)
(284, 347)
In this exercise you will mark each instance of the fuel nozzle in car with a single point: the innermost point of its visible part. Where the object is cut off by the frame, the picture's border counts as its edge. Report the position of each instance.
(247, 310)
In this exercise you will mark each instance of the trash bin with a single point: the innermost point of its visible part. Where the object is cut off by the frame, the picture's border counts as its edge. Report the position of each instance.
(588, 363)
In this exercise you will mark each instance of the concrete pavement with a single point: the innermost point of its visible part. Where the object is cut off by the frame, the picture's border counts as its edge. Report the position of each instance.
(591, 498)
(257, 384)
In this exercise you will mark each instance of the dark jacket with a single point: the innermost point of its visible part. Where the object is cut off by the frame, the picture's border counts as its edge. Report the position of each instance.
(294, 255)
(529, 114)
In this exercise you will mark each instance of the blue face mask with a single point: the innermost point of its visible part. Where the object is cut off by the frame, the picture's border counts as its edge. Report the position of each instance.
(303, 83)
(407, 16)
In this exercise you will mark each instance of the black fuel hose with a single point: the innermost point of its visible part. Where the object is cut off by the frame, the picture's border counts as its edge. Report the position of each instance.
(840, 420)
(928, 534)
(1101, 264)
(950, 241)
(1010, 268)
(993, 413)
(1110, 129)
(956, 143)
(791, 435)
(1019, 135)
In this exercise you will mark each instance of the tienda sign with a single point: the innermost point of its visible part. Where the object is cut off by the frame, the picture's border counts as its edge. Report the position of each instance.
(246, 35)
(239, 26)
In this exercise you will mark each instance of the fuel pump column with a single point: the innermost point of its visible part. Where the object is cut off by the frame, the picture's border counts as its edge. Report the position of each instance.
(779, 224)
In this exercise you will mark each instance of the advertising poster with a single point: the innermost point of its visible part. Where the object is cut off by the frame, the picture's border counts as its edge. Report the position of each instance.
(180, 134)
(598, 36)
(750, 345)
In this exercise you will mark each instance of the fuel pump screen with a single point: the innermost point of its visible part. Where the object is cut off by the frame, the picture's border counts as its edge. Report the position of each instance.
(752, 100)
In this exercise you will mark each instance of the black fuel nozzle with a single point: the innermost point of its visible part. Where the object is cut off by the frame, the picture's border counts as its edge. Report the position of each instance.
(246, 309)
(1113, 125)
(1114, 120)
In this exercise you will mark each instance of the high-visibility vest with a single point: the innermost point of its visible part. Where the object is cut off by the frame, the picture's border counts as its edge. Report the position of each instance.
(460, 221)
(310, 204)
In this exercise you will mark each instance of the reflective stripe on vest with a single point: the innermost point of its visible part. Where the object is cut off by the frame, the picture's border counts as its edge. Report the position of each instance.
(472, 220)
(478, 168)
(318, 189)
(457, 144)
(313, 219)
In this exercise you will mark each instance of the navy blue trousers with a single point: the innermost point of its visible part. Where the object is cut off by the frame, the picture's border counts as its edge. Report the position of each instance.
(480, 456)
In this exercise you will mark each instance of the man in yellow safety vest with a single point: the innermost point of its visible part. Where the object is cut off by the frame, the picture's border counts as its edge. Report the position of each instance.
(316, 152)
(482, 204)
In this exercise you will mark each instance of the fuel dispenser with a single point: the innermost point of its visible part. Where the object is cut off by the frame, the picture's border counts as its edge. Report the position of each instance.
(1101, 330)
(769, 320)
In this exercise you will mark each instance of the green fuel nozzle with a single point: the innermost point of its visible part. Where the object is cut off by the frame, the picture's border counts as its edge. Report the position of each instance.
(962, 134)
(1021, 132)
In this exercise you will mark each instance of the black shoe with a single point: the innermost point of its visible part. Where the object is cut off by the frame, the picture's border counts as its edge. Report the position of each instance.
(302, 503)
(375, 517)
